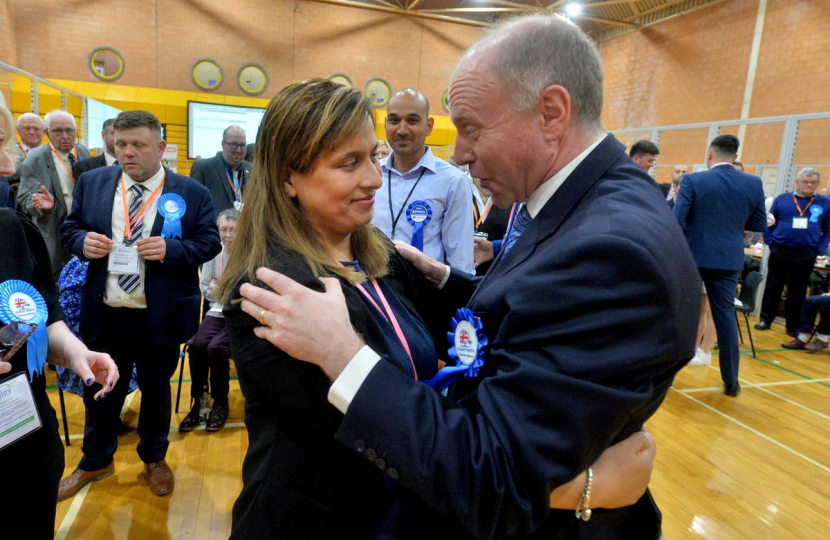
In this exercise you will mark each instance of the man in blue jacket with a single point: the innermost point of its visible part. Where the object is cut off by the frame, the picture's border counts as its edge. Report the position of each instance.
(801, 232)
(144, 231)
(714, 209)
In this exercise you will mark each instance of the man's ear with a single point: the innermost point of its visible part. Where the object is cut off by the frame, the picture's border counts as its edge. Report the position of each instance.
(430, 124)
(554, 109)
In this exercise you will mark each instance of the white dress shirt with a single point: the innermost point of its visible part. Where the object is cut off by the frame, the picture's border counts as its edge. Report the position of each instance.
(345, 387)
(114, 295)
(61, 160)
(108, 159)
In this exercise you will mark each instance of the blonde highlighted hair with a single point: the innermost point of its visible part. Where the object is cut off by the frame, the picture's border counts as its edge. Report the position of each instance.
(304, 122)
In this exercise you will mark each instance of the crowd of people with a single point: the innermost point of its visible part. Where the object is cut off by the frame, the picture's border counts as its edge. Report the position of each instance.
(333, 266)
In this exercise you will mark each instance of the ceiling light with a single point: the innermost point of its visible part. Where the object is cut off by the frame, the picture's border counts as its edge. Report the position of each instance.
(573, 9)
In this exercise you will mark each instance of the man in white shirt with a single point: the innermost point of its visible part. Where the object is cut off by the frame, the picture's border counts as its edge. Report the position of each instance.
(47, 182)
(424, 201)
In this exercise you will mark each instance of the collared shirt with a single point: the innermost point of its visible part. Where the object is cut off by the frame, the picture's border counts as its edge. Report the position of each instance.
(108, 159)
(448, 236)
(114, 295)
(64, 174)
(238, 182)
(345, 387)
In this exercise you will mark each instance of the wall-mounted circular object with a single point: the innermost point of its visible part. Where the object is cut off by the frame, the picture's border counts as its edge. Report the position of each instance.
(379, 90)
(341, 78)
(206, 74)
(106, 63)
(252, 79)
(445, 100)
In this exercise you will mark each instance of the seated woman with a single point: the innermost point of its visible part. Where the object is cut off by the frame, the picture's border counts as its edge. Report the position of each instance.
(308, 216)
(209, 350)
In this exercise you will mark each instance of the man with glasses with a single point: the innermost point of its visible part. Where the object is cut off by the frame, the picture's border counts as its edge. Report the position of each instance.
(47, 182)
(225, 174)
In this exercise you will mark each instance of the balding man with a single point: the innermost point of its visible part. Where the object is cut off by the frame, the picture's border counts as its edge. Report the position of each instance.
(424, 201)
(47, 182)
(225, 174)
(589, 311)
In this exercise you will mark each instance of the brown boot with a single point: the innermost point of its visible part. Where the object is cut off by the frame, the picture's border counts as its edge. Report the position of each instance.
(159, 477)
(794, 344)
(815, 346)
(73, 483)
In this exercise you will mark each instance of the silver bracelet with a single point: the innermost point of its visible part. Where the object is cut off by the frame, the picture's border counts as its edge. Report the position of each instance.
(583, 506)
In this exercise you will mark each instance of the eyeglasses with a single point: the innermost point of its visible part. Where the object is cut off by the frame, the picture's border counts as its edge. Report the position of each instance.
(235, 145)
(227, 232)
(62, 132)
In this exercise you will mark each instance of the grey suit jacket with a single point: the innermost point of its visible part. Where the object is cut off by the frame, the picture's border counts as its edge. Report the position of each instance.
(210, 172)
(38, 169)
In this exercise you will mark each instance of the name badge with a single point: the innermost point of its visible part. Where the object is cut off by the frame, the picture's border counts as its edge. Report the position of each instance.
(18, 412)
(123, 260)
(800, 223)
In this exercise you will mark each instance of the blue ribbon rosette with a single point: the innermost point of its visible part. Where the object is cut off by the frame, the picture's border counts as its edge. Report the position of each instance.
(467, 343)
(21, 302)
(171, 207)
(815, 212)
(418, 214)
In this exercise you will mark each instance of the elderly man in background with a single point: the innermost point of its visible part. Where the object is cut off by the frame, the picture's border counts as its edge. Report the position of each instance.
(800, 233)
(47, 183)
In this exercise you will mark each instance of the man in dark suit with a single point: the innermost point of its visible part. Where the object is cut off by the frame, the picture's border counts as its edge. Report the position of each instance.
(106, 158)
(226, 173)
(590, 310)
(47, 183)
(144, 232)
(714, 209)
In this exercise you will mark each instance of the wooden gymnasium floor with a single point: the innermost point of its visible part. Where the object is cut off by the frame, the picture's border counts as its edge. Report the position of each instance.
(756, 467)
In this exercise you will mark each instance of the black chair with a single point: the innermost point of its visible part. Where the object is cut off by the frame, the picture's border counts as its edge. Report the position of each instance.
(747, 296)
(63, 415)
(182, 357)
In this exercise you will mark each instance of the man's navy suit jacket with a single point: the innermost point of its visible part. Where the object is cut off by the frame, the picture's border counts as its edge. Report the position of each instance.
(589, 317)
(714, 209)
(171, 287)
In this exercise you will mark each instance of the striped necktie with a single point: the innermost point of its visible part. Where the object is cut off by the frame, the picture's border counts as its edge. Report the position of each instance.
(128, 282)
(521, 223)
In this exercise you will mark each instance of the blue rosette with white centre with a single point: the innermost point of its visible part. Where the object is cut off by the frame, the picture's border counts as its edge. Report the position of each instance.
(171, 207)
(467, 343)
(418, 214)
(815, 212)
(20, 302)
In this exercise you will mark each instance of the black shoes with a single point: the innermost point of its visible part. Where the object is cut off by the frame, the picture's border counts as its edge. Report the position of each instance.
(218, 417)
(732, 390)
(762, 325)
(191, 421)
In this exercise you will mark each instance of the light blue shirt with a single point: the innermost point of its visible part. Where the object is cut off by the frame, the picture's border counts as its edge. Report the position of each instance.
(449, 234)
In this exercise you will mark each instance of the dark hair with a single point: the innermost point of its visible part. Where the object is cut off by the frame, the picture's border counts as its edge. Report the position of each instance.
(135, 119)
(725, 145)
(644, 147)
(738, 165)
(107, 123)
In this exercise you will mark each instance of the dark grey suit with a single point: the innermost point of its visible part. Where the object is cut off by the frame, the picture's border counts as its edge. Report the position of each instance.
(38, 169)
(211, 173)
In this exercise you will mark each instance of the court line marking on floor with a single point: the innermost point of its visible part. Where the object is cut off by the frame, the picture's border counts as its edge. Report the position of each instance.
(754, 431)
(748, 354)
(793, 402)
(72, 513)
(229, 425)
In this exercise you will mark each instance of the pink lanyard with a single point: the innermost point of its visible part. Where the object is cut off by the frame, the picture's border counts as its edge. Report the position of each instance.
(389, 315)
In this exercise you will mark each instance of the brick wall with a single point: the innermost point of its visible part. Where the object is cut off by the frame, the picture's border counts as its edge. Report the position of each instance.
(160, 40)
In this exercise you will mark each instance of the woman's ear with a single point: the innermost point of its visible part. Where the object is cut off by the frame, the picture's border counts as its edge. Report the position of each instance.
(289, 186)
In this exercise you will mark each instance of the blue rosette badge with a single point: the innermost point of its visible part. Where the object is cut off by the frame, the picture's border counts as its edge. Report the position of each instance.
(418, 214)
(20, 302)
(467, 343)
(815, 212)
(171, 207)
